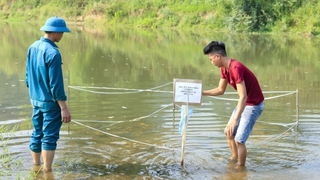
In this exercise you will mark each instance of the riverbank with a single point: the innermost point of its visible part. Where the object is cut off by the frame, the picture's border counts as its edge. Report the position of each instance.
(292, 16)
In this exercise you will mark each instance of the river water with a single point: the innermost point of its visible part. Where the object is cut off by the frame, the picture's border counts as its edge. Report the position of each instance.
(120, 131)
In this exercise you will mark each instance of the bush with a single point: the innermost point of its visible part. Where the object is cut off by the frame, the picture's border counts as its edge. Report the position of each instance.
(233, 15)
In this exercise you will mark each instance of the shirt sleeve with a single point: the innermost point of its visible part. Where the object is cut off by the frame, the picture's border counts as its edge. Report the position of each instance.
(222, 75)
(237, 75)
(56, 78)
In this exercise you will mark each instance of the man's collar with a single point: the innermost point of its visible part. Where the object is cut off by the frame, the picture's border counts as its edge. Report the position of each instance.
(49, 41)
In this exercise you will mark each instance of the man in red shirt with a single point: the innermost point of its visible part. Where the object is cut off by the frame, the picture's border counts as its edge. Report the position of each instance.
(251, 99)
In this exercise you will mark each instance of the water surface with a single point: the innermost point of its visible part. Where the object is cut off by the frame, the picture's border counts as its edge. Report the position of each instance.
(120, 133)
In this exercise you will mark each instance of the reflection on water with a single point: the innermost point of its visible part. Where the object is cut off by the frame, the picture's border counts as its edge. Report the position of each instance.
(133, 134)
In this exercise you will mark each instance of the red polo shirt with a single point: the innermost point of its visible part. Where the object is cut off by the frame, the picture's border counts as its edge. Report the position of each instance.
(239, 72)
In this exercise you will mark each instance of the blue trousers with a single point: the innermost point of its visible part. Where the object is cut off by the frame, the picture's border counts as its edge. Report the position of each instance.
(46, 119)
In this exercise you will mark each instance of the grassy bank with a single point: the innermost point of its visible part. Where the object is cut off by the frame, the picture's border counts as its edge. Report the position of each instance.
(294, 16)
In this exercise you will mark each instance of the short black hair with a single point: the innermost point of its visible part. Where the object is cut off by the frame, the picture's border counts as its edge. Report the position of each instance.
(216, 47)
(48, 32)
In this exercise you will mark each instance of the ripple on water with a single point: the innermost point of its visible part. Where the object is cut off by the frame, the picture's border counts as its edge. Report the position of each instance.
(85, 153)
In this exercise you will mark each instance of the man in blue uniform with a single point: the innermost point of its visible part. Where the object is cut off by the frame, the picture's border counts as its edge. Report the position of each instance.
(46, 90)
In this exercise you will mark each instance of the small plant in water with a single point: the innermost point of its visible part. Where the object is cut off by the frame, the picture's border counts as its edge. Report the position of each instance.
(8, 163)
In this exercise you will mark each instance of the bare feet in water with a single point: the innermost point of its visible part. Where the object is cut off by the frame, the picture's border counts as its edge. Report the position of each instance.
(233, 158)
(239, 168)
(49, 176)
(37, 168)
(232, 161)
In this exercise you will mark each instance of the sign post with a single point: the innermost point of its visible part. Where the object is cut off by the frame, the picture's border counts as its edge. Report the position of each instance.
(184, 87)
(186, 92)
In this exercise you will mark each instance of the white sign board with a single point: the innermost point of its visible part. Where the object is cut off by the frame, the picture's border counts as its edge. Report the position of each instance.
(187, 91)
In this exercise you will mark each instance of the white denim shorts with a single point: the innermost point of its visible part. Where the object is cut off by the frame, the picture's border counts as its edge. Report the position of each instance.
(246, 122)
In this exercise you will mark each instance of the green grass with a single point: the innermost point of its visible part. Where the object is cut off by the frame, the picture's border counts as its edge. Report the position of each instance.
(305, 20)
(224, 15)
(9, 164)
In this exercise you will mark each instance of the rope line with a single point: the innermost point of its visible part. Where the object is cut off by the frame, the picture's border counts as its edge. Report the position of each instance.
(87, 89)
(97, 121)
(142, 117)
(265, 92)
(164, 147)
(268, 98)
(220, 98)
(280, 135)
(157, 87)
(120, 137)
(99, 92)
(273, 97)
(118, 122)
(128, 139)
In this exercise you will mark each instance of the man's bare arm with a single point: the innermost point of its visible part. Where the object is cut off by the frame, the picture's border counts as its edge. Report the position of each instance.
(217, 91)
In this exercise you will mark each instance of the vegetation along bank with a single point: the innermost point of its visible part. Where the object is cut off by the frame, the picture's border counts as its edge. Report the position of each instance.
(272, 16)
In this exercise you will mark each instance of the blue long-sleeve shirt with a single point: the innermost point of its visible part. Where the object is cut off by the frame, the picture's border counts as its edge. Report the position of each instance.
(44, 72)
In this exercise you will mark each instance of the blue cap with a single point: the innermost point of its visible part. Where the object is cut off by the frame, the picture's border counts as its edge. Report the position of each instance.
(55, 24)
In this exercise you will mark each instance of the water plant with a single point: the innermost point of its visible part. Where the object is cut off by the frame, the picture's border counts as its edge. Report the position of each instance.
(8, 162)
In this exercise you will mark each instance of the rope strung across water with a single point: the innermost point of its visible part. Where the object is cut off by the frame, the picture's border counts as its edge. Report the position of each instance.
(268, 98)
(273, 97)
(135, 119)
(120, 137)
(164, 147)
(142, 117)
(87, 89)
(280, 135)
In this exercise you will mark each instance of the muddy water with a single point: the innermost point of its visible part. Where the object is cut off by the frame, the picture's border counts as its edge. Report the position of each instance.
(122, 132)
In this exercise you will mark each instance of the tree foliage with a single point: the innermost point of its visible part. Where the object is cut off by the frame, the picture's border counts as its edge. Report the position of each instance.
(222, 15)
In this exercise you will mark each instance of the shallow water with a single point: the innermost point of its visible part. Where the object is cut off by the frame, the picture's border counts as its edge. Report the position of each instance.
(130, 134)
